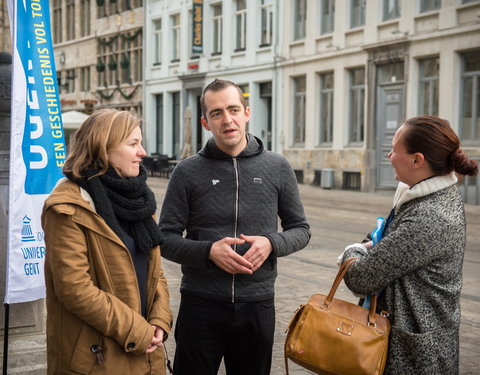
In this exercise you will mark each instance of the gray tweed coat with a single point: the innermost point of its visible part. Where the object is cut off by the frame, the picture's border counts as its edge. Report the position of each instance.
(416, 270)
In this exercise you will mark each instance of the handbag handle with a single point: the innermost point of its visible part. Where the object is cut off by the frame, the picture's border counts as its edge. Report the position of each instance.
(338, 279)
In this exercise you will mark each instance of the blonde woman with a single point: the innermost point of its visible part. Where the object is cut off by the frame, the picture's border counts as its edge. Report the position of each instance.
(107, 299)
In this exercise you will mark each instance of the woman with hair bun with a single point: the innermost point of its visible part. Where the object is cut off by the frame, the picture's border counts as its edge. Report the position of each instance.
(416, 269)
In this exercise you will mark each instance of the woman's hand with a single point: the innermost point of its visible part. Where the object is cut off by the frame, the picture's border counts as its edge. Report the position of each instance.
(368, 245)
(157, 339)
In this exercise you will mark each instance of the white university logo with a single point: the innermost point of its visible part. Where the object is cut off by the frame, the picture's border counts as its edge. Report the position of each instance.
(214, 182)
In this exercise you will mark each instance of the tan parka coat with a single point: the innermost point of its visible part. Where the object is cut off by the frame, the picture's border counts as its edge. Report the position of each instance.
(93, 300)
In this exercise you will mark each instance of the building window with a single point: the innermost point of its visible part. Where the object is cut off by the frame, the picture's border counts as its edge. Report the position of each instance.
(326, 108)
(137, 3)
(120, 59)
(240, 25)
(299, 86)
(125, 5)
(69, 83)
(470, 96)
(59, 81)
(391, 9)
(300, 12)
(113, 7)
(157, 32)
(159, 115)
(266, 14)
(102, 61)
(85, 17)
(175, 24)
(129, 57)
(107, 61)
(390, 73)
(428, 88)
(357, 13)
(429, 5)
(136, 57)
(357, 105)
(57, 21)
(327, 16)
(85, 79)
(176, 124)
(70, 16)
(265, 91)
(217, 29)
(112, 62)
(101, 10)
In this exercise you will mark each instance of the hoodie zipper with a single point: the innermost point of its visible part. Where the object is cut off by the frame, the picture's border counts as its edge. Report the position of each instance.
(235, 167)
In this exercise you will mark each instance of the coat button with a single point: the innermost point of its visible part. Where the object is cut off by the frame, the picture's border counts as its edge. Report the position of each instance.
(131, 346)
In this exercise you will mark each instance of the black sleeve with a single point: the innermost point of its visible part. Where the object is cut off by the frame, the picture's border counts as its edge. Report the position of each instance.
(173, 221)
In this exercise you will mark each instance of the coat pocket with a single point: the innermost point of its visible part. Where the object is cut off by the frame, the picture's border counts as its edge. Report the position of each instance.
(83, 358)
(158, 362)
(429, 352)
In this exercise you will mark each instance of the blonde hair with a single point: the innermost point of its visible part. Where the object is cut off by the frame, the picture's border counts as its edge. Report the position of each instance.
(101, 133)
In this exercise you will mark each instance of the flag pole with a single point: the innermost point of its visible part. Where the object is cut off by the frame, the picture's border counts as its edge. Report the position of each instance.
(5, 337)
(6, 59)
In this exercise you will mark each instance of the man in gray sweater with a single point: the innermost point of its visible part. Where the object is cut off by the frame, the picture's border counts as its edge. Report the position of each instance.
(227, 199)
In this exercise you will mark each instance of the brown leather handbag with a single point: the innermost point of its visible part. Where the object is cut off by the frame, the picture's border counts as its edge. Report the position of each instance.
(330, 336)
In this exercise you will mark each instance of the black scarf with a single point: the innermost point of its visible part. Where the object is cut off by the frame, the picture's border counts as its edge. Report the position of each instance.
(126, 200)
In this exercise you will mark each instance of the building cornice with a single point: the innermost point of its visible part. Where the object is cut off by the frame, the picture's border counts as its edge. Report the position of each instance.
(211, 73)
(317, 56)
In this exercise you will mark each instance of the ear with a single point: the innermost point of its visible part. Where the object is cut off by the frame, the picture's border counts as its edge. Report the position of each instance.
(247, 113)
(204, 123)
(418, 160)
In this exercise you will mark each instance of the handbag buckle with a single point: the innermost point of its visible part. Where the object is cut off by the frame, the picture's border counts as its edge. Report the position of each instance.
(345, 328)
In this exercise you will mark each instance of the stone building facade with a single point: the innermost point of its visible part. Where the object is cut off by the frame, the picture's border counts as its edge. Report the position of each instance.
(5, 39)
(98, 53)
(355, 70)
(240, 41)
(329, 81)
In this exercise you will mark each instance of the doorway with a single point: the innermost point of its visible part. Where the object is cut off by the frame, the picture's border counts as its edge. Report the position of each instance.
(389, 116)
(266, 103)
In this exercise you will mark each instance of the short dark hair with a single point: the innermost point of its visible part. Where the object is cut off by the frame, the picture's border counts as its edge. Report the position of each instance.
(218, 85)
(435, 139)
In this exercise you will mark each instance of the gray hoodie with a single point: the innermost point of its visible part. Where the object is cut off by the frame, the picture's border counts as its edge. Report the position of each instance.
(212, 195)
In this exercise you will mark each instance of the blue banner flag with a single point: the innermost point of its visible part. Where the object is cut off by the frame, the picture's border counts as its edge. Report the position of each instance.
(37, 151)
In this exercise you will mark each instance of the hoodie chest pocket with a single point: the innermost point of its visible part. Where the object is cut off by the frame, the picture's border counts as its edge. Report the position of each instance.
(258, 192)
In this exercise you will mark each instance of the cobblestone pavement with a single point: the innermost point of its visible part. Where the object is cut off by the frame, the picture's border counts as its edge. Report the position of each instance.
(338, 218)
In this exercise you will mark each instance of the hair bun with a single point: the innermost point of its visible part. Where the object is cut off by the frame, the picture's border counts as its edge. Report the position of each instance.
(463, 165)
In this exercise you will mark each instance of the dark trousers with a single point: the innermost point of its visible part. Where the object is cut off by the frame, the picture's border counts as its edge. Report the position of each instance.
(240, 332)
